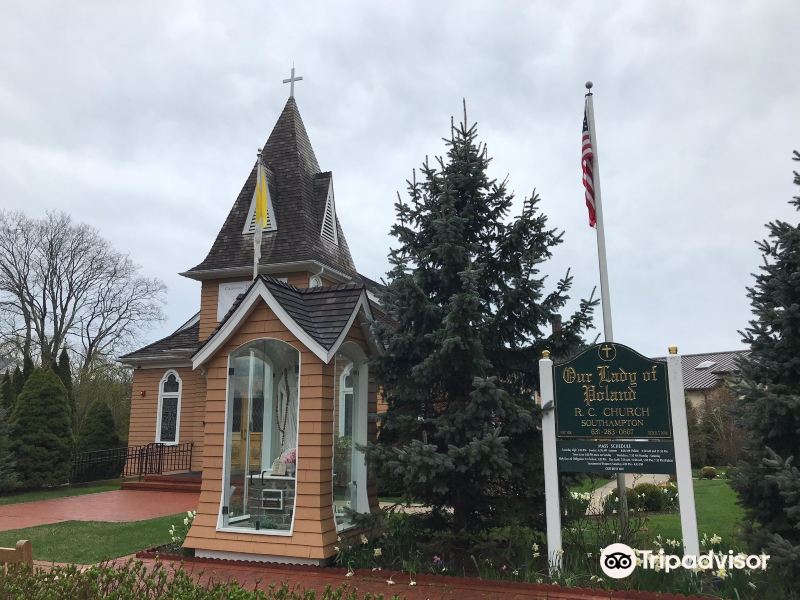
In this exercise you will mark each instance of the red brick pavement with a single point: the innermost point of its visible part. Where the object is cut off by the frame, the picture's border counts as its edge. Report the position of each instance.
(427, 587)
(116, 506)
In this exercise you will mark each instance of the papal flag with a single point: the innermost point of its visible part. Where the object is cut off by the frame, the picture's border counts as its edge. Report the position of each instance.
(262, 212)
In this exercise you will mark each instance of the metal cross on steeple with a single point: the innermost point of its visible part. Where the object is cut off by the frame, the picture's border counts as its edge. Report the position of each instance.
(291, 80)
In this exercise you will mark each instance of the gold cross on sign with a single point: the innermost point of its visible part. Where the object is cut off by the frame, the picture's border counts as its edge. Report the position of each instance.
(606, 350)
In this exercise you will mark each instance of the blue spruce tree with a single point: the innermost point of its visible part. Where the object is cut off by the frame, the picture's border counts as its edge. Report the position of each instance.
(470, 316)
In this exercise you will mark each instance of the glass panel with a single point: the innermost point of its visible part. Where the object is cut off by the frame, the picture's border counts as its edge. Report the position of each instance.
(345, 485)
(171, 385)
(261, 439)
(169, 418)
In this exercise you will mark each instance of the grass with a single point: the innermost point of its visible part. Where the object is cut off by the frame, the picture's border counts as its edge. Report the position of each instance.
(60, 492)
(717, 512)
(87, 542)
(589, 483)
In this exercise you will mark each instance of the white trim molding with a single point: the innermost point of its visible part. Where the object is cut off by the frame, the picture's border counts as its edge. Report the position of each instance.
(259, 291)
(161, 396)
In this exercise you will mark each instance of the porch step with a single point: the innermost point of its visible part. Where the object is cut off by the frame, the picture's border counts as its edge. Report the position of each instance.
(162, 486)
(176, 478)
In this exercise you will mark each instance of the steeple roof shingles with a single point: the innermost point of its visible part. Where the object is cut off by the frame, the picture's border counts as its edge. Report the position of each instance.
(298, 198)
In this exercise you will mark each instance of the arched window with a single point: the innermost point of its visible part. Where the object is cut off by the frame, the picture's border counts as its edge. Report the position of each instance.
(169, 408)
(261, 437)
(350, 434)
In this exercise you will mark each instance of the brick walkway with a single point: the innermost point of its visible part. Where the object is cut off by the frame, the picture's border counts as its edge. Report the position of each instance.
(116, 506)
(427, 587)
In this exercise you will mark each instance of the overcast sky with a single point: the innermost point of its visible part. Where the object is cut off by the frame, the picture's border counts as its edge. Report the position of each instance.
(143, 119)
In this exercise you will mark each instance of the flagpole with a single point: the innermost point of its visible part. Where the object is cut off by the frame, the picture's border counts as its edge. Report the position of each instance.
(605, 297)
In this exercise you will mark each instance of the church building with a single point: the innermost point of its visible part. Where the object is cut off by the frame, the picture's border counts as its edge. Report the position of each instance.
(269, 382)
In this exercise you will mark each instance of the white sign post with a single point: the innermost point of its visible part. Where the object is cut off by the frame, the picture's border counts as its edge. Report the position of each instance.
(552, 502)
(683, 463)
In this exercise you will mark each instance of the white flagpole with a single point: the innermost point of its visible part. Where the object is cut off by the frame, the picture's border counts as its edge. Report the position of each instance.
(600, 229)
(605, 298)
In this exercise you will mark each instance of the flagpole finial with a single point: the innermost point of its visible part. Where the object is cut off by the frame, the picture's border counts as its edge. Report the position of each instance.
(589, 86)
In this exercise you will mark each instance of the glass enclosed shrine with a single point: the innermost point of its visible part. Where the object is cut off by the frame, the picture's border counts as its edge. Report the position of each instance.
(261, 424)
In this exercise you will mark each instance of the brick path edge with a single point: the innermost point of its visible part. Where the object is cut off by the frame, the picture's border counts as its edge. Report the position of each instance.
(544, 590)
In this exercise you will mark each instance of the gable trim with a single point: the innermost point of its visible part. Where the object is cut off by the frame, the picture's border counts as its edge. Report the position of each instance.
(246, 307)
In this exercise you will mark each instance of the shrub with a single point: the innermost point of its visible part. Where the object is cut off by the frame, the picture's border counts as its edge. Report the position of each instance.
(8, 477)
(135, 581)
(645, 497)
(41, 431)
(99, 433)
(708, 473)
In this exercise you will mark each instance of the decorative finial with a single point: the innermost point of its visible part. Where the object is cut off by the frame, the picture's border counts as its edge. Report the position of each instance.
(589, 86)
(673, 349)
(545, 354)
(291, 81)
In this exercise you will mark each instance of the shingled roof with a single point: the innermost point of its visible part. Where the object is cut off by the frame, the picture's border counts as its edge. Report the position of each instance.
(180, 344)
(298, 192)
(322, 314)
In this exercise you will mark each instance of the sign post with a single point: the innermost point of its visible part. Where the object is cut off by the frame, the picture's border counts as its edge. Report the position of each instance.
(683, 463)
(552, 503)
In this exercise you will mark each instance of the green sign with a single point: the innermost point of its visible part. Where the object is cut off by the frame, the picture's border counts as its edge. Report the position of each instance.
(627, 456)
(610, 391)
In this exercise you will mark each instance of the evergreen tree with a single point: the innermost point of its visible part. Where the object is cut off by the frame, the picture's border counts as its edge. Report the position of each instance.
(7, 392)
(471, 317)
(19, 381)
(99, 433)
(27, 368)
(8, 477)
(64, 372)
(768, 402)
(41, 431)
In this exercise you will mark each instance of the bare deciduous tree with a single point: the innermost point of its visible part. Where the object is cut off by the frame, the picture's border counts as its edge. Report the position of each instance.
(62, 284)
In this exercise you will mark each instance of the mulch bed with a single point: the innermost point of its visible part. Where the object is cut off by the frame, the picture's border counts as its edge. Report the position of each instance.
(428, 587)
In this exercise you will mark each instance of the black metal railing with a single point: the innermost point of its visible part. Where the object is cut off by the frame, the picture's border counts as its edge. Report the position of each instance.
(131, 461)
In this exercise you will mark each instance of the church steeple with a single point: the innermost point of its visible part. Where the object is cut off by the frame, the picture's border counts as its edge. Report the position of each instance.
(299, 194)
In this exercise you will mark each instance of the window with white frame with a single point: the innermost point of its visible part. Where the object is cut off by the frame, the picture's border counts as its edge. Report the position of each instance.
(169, 408)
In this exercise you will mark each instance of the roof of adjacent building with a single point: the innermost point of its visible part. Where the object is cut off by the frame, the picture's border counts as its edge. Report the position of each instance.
(298, 191)
(706, 371)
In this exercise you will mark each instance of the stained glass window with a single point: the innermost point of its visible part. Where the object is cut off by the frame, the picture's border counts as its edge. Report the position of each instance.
(169, 400)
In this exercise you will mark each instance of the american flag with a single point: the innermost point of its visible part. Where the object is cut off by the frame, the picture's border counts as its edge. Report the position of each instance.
(587, 159)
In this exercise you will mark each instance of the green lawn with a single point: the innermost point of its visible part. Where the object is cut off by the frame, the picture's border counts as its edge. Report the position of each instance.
(589, 483)
(60, 492)
(86, 542)
(717, 512)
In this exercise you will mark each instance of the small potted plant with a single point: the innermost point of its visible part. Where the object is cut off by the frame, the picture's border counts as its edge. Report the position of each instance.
(290, 459)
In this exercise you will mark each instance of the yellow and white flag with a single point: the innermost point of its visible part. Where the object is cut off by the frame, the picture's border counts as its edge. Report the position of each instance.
(262, 212)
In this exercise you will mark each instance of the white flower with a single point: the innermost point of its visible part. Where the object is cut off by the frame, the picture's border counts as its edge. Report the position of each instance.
(364, 539)
(390, 581)
(515, 572)
(412, 583)
(185, 520)
(722, 573)
(336, 548)
(349, 572)
(189, 513)
(377, 552)
(715, 539)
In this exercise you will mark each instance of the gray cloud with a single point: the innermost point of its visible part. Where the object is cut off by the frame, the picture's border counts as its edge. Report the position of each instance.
(143, 119)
